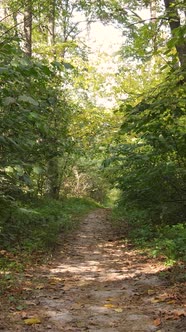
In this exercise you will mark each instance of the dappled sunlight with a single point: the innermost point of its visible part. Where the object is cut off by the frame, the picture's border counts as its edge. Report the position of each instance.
(99, 283)
(111, 261)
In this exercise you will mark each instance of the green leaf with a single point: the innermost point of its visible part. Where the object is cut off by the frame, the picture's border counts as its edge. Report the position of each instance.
(37, 170)
(8, 101)
(9, 169)
(68, 65)
(3, 70)
(2, 140)
(28, 99)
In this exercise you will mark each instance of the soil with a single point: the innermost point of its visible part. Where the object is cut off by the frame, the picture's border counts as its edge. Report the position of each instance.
(97, 282)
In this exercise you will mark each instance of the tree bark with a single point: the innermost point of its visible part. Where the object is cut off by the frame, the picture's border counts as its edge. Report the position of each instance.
(153, 10)
(52, 23)
(175, 23)
(28, 28)
(53, 183)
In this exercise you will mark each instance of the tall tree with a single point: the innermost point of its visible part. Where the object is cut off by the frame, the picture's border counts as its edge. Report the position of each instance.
(28, 27)
(177, 31)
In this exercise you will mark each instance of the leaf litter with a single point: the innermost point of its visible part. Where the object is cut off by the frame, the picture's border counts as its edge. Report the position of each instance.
(96, 282)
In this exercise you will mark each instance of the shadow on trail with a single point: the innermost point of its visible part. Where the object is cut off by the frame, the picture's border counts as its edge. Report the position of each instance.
(97, 283)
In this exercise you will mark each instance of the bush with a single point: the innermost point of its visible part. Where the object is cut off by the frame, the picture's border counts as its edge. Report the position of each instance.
(36, 226)
(166, 240)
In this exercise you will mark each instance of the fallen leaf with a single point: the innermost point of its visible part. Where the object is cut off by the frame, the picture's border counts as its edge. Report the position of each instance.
(29, 275)
(20, 307)
(41, 286)
(32, 321)
(168, 316)
(179, 313)
(54, 282)
(24, 315)
(109, 305)
(27, 289)
(118, 310)
(171, 302)
(156, 300)
(151, 291)
(157, 322)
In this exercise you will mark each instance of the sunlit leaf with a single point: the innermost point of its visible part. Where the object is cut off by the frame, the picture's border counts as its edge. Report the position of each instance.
(118, 310)
(109, 305)
(32, 321)
(41, 286)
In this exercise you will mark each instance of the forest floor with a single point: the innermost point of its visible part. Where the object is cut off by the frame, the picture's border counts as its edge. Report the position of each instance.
(96, 282)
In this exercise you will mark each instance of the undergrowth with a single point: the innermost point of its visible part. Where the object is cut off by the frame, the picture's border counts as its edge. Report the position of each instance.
(158, 239)
(33, 228)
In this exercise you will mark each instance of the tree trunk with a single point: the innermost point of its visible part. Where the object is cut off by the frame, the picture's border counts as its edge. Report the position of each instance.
(153, 10)
(53, 182)
(175, 23)
(52, 23)
(28, 28)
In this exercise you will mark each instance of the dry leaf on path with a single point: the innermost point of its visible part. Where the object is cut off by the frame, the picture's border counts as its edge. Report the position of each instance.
(171, 302)
(32, 321)
(41, 286)
(157, 322)
(156, 300)
(179, 313)
(118, 310)
(109, 305)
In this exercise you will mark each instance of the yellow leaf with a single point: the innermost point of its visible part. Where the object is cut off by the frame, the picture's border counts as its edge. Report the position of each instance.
(32, 321)
(151, 291)
(171, 302)
(41, 286)
(156, 300)
(109, 305)
(118, 310)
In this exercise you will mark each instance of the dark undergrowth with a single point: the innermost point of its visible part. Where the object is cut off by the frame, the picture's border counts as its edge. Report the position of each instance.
(154, 239)
(30, 231)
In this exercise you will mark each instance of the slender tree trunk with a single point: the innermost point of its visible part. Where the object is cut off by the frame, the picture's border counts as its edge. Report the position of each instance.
(153, 10)
(153, 15)
(28, 28)
(52, 24)
(175, 23)
(53, 183)
(15, 23)
(53, 173)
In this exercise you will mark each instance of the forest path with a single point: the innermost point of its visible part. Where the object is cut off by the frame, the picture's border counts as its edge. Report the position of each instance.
(98, 283)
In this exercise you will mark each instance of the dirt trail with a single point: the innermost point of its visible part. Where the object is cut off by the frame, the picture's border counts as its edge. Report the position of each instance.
(97, 283)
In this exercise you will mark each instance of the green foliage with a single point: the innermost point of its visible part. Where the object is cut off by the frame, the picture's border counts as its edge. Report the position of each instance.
(149, 161)
(36, 226)
(171, 242)
(168, 241)
(34, 120)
